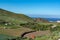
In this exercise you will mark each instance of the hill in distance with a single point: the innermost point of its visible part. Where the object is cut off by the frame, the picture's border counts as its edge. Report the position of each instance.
(41, 20)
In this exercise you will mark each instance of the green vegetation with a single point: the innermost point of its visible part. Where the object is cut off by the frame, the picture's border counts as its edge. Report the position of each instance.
(5, 37)
(36, 26)
(12, 24)
(13, 17)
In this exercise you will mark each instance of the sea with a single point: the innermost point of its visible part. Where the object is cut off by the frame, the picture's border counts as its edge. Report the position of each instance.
(52, 19)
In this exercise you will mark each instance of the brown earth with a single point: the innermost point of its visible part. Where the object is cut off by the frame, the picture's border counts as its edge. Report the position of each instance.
(41, 20)
(38, 33)
(14, 32)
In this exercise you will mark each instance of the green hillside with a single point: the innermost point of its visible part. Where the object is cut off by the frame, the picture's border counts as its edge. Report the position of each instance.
(13, 25)
(13, 17)
(10, 23)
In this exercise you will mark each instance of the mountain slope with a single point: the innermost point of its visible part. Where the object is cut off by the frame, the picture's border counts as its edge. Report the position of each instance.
(13, 17)
(40, 20)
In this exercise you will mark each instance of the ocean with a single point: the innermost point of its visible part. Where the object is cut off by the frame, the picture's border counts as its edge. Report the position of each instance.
(52, 19)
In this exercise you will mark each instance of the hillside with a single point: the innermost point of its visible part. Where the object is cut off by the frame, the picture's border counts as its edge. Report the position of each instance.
(10, 23)
(16, 25)
(13, 17)
(41, 20)
(17, 18)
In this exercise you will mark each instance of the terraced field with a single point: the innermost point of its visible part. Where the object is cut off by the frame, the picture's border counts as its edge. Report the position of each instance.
(14, 32)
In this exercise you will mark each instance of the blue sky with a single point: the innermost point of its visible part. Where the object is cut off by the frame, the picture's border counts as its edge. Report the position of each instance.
(34, 8)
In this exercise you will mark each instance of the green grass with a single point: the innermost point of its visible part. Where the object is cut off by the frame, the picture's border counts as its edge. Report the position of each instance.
(11, 16)
(53, 36)
(5, 37)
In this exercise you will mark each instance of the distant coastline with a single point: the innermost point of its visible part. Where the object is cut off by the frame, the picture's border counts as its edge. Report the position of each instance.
(50, 19)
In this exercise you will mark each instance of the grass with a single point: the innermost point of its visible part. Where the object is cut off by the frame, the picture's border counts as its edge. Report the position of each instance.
(5, 37)
(11, 16)
(53, 36)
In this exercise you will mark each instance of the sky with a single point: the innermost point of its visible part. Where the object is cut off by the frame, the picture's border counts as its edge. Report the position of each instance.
(33, 8)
